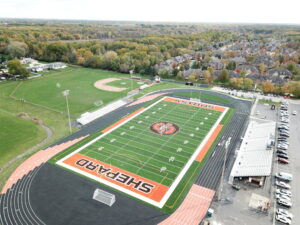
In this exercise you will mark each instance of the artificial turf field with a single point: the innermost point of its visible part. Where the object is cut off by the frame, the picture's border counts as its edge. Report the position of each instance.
(147, 154)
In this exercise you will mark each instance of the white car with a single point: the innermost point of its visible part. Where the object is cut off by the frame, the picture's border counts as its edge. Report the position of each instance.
(283, 197)
(283, 191)
(294, 113)
(283, 219)
(282, 184)
(285, 213)
(282, 202)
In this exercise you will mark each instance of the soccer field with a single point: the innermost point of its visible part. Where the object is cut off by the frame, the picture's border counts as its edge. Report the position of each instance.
(150, 150)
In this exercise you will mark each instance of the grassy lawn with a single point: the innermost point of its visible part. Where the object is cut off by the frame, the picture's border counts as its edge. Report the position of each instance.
(261, 101)
(49, 106)
(16, 135)
(47, 90)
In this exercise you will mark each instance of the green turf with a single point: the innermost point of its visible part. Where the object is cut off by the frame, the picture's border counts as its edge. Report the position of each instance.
(135, 148)
(47, 90)
(187, 181)
(203, 96)
(17, 135)
(183, 187)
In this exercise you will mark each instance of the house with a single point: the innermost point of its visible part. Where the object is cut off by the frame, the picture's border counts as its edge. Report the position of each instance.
(216, 65)
(248, 68)
(280, 72)
(56, 66)
(189, 72)
(28, 61)
(267, 60)
(50, 66)
(238, 60)
(257, 78)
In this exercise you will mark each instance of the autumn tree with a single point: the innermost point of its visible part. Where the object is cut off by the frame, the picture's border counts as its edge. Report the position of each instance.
(267, 87)
(262, 68)
(224, 77)
(16, 68)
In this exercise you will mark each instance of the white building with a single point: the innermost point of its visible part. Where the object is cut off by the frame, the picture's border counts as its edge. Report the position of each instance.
(254, 158)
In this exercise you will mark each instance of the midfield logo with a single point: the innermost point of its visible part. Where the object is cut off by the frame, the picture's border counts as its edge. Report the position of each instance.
(115, 175)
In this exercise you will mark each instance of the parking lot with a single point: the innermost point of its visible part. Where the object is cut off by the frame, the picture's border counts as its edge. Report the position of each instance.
(233, 207)
(294, 156)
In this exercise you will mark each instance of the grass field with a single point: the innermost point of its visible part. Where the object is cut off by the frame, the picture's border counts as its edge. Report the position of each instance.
(16, 135)
(45, 102)
(47, 91)
(136, 147)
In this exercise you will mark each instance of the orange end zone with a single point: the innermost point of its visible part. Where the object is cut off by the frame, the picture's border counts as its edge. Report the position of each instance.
(195, 104)
(117, 176)
(210, 141)
(122, 120)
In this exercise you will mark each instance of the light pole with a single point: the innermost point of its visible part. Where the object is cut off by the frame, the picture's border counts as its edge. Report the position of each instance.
(66, 93)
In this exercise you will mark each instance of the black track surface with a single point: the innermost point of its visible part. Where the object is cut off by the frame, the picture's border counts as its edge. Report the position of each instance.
(59, 197)
(68, 200)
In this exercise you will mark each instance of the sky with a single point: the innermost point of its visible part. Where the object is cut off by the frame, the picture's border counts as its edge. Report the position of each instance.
(207, 11)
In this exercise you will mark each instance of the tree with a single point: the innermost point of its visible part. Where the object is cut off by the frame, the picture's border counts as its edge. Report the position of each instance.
(207, 77)
(179, 76)
(248, 83)
(16, 50)
(16, 68)
(267, 87)
(231, 65)
(196, 65)
(193, 77)
(262, 68)
(164, 73)
(296, 89)
(224, 77)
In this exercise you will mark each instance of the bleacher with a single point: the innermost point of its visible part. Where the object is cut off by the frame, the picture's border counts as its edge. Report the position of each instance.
(88, 117)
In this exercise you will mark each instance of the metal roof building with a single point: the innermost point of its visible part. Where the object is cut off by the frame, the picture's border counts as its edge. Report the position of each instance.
(254, 158)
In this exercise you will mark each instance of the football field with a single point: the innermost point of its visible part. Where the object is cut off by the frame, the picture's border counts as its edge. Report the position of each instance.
(147, 153)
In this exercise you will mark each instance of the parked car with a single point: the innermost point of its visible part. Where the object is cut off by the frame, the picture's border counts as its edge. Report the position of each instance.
(281, 160)
(281, 151)
(284, 176)
(282, 147)
(282, 184)
(282, 139)
(284, 191)
(283, 197)
(284, 203)
(283, 219)
(284, 156)
(285, 213)
(284, 135)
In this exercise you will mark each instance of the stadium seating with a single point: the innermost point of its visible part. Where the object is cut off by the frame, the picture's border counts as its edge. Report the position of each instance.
(90, 116)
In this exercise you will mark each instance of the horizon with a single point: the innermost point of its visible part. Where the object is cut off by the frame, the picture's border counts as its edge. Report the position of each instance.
(211, 12)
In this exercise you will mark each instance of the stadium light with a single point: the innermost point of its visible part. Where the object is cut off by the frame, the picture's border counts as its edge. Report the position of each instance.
(66, 93)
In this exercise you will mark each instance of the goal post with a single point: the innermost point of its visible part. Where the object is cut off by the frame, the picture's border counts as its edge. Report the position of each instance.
(104, 197)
